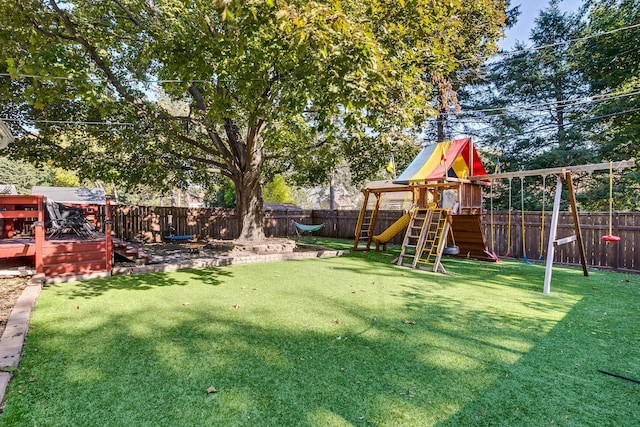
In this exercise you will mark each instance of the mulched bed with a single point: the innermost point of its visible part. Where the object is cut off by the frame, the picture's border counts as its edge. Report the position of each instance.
(10, 290)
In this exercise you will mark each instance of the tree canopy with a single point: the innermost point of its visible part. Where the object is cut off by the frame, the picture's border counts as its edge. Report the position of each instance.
(566, 97)
(185, 91)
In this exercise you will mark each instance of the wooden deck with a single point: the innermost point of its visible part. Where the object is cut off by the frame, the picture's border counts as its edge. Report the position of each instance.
(69, 255)
(22, 239)
(60, 257)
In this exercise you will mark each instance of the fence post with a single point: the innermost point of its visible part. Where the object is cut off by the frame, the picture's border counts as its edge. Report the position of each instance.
(286, 219)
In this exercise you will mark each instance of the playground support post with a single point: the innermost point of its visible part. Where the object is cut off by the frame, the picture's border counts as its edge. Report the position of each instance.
(576, 224)
(551, 248)
(554, 228)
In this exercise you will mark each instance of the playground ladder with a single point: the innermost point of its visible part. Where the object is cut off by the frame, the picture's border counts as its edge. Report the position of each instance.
(366, 224)
(414, 236)
(424, 238)
(434, 241)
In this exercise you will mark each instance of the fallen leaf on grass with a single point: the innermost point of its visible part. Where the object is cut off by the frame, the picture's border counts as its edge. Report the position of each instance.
(212, 390)
(336, 321)
(236, 305)
(186, 303)
(408, 322)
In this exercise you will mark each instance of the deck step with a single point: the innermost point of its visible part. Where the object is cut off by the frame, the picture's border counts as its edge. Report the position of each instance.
(133, 252)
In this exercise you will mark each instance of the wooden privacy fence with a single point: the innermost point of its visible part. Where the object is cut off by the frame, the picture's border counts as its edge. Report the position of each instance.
(505, 237)
(150, 223)
(621, 256)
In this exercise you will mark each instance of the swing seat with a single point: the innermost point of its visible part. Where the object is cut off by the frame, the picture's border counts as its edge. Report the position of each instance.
(182, 238)
(611, 238)
(451, 250)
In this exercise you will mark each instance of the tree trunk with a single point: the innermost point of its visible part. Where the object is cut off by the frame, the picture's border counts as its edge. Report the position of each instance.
(440, 127)
(249, 207)
(249, 203)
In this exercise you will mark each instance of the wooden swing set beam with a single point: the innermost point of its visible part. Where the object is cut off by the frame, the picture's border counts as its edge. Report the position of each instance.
(564, 174)
(557, 171)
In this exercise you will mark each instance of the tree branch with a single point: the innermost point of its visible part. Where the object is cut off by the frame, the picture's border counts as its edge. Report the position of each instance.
(129, 14)
(223, 167)
(93, 53)
(38, 27)
(122, 91)
(200, 104)
(212, 31)
(234, 138)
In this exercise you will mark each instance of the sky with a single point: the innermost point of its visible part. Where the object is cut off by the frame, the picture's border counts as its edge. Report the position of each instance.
(529, 11)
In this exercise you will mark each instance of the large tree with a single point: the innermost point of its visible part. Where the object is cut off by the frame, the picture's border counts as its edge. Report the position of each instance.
(192, 88)
(447, 83)
(610, 61)
(534, 97)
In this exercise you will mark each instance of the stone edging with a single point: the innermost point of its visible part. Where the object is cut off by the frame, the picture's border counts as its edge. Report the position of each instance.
(227, 260)
(16, 331)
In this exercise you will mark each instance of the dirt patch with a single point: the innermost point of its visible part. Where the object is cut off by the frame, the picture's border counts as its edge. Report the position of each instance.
(167, 253)
(10, 290)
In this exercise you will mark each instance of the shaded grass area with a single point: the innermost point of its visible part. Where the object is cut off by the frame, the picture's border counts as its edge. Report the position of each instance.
(333, 342)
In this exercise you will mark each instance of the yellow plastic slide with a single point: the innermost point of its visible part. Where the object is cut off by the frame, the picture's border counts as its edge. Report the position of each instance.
(393, 229)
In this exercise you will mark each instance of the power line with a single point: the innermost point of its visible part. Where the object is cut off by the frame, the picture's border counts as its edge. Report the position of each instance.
(541, 128)
(103, 80)
(550, 45)
(579, 39)
(68, 122)
(452, 122)
(565, 103)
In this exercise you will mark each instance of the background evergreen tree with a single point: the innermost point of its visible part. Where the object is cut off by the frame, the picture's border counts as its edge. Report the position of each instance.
(610, 60)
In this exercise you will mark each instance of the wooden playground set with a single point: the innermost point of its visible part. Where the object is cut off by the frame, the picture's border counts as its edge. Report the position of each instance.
(445, 185)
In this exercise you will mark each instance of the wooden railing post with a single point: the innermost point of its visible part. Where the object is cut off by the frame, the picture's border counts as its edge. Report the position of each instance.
(107, 233)
(39, 236)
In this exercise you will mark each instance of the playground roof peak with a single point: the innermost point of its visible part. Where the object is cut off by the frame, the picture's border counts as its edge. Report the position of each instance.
(448, 159)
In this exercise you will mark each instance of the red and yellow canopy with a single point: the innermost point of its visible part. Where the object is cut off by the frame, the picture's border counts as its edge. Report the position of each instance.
(454, 159)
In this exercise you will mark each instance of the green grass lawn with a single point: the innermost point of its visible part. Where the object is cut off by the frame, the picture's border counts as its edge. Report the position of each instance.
(333, 342)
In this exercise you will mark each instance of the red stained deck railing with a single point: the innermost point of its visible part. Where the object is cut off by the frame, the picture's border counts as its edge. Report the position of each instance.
(23, 208)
